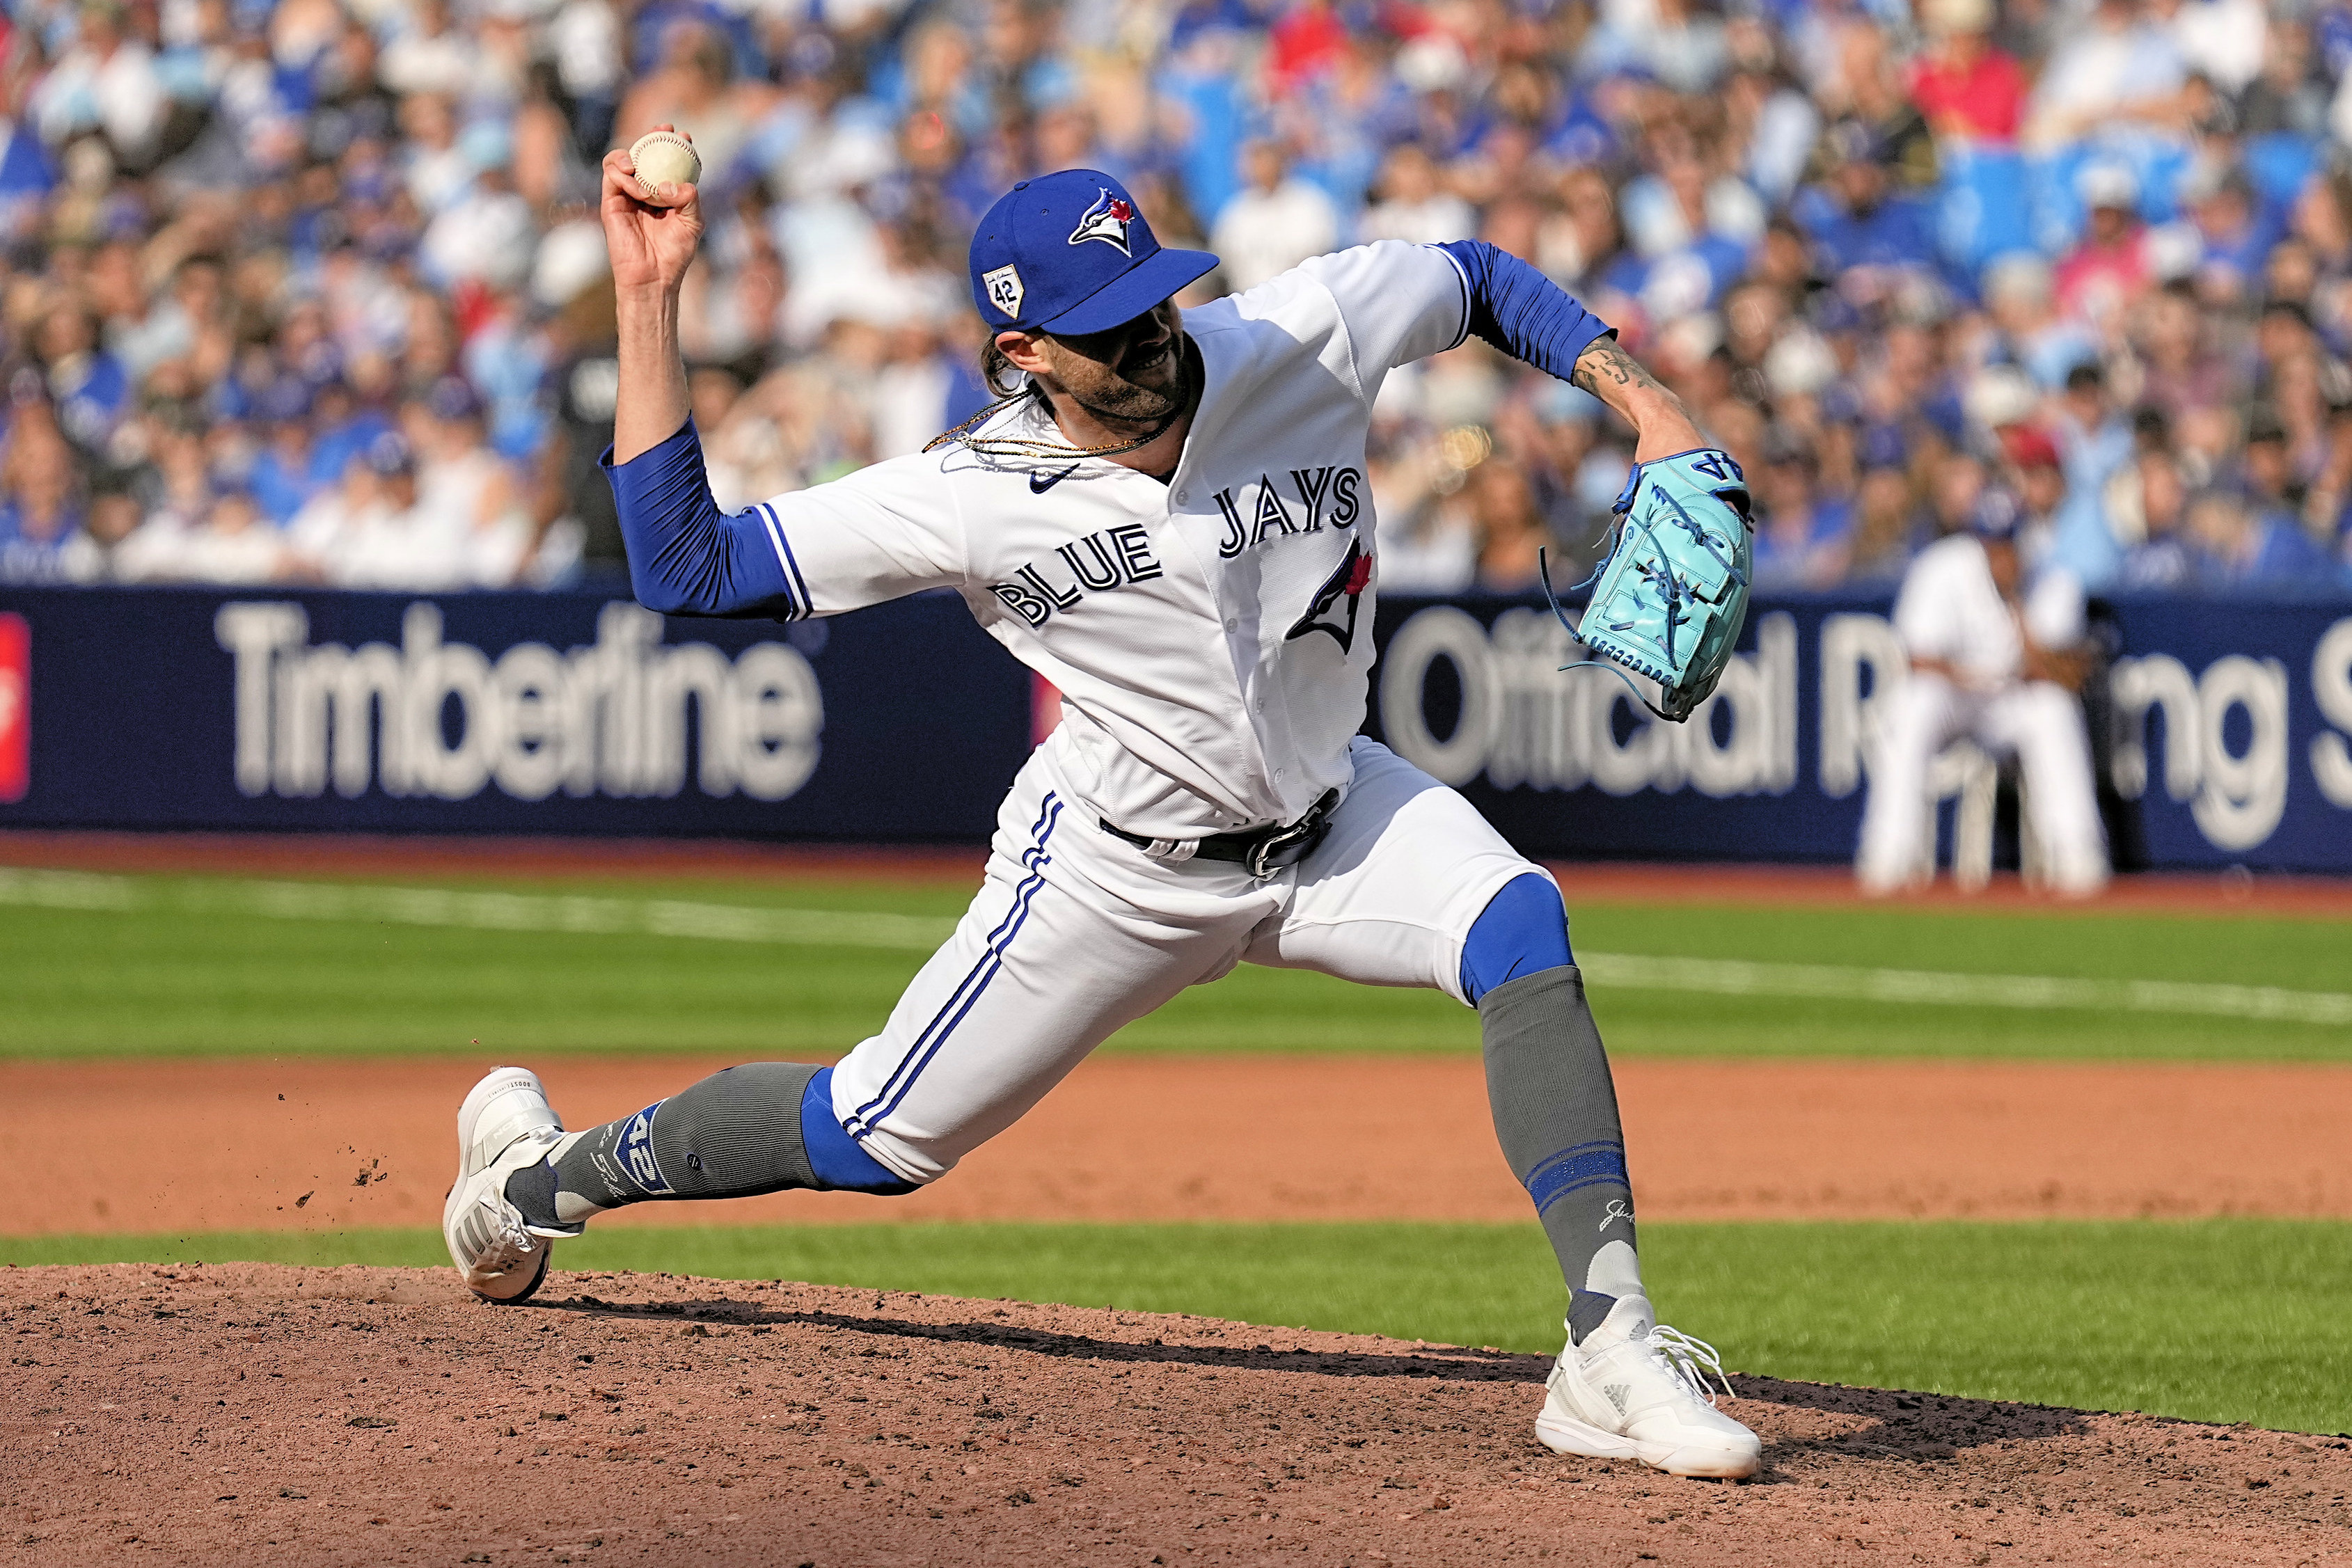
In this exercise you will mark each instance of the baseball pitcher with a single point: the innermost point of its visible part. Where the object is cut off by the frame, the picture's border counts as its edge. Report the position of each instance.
(1167, 517)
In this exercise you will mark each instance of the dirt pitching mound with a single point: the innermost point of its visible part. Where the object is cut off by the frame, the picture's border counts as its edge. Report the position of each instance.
(281, 1416)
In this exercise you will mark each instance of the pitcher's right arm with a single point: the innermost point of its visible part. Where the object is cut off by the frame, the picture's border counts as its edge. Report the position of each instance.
(652, 234)
(873, 536)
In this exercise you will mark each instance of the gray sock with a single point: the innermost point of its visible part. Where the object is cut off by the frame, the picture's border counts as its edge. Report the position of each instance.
(737, 1133)
(1555, 1117)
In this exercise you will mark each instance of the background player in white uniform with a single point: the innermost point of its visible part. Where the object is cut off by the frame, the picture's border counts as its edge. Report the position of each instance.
(2001, 660)
(1167, 518)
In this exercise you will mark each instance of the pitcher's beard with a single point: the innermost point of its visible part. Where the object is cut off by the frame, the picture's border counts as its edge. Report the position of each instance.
(1133, 403)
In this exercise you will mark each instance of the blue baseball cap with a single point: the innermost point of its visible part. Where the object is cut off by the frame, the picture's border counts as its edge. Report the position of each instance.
(1996, 516)
(388, 454)
(1071, 252)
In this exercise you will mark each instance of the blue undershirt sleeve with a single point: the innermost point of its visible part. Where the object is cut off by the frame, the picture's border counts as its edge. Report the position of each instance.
(1521, 311)
(686, 556)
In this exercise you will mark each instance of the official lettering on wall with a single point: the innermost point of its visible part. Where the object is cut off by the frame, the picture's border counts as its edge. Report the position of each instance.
(1524, 721)
(2220, 738)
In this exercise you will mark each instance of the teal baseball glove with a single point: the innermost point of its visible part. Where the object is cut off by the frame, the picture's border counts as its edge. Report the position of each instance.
(1673, 593)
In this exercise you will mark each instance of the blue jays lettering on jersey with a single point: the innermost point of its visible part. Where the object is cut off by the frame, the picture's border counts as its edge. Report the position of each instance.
(1095, 564)
(1260, 508)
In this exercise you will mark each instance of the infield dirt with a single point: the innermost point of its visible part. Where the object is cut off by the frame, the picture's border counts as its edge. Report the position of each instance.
(317, 1143)
(295, 1417)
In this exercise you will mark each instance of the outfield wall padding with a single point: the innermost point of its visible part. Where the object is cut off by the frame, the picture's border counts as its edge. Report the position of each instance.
(2223, 727)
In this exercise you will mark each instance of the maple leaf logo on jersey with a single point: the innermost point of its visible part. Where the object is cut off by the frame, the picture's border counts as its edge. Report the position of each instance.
(1336, 603)
(1106, 221)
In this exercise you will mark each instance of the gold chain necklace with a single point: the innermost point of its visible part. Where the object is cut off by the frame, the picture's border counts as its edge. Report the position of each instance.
(1033, 446)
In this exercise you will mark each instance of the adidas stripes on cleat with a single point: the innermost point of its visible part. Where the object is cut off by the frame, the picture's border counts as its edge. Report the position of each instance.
(505, 1125)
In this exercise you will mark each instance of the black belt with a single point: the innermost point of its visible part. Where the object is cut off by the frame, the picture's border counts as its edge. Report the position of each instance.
(1261, 852)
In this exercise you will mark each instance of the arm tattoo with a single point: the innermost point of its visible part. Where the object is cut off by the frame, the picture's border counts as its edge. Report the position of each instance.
(1605, 364)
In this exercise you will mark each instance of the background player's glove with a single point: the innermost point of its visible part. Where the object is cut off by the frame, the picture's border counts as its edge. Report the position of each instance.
(1673, 592)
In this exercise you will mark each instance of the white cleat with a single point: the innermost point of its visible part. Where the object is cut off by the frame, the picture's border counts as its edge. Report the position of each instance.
(1636, 1390)
(505, 1125)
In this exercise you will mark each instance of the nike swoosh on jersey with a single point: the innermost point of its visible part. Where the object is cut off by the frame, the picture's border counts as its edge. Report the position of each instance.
(1041, 483)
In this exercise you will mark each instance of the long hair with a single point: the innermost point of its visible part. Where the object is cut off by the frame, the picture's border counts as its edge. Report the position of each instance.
(1009, 384)
(999, 374)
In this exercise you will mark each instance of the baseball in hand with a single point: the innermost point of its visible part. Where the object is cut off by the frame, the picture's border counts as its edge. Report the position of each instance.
(665, 158)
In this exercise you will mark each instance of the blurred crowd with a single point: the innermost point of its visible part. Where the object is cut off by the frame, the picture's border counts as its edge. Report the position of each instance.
(312, 291)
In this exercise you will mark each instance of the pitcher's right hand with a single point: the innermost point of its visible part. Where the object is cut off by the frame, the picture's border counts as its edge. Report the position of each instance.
(652, 241)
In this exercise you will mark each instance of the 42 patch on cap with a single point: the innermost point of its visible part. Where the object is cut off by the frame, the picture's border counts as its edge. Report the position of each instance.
(1003, 290)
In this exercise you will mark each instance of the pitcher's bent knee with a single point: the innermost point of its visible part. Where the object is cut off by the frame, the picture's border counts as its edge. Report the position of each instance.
(1523, 930)
(840, 1162)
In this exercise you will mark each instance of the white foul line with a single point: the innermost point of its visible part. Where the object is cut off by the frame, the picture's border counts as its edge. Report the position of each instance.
(1735, 977)
(436, 907)
(68, 890)
(450, 907)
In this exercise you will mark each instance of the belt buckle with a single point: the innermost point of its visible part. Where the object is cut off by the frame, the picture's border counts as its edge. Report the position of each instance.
(1260, 863)
(1299, 839)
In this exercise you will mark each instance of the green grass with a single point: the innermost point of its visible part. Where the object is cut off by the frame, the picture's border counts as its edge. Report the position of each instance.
(164, 977)
(2226, 1320)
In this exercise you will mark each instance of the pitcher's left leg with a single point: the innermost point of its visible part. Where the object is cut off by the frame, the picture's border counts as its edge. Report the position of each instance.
(1554, 1100)
(1414, 887)
(1045, 964)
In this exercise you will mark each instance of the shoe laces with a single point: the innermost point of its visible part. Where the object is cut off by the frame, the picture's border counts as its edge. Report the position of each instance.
(1693, 1361)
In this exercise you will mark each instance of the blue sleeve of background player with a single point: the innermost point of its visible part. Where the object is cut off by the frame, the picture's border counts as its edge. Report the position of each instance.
(686, 556)
(1521, 311)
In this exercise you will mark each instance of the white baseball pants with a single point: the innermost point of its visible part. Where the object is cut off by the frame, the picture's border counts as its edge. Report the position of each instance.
(2040, 721)
(1075, 934)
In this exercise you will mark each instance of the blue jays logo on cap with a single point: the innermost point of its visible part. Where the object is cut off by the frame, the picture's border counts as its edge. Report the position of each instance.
(1106, 221)
(1036, 268)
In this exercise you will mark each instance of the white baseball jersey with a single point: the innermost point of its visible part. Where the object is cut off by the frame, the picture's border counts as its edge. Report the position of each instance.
(1211, 636)
(1949, 608)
